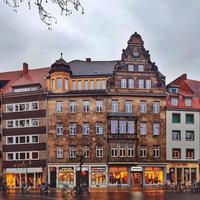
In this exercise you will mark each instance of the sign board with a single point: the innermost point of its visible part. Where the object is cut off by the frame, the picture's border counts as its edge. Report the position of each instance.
(136, 169)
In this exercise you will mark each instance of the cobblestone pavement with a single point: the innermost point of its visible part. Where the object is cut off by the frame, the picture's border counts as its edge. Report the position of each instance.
(109, 195)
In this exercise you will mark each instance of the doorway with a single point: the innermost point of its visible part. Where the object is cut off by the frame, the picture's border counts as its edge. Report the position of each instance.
(136, 179)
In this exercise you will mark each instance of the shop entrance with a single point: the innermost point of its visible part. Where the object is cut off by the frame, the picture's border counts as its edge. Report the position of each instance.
(136, 179)
(84, 176)
(53, 177)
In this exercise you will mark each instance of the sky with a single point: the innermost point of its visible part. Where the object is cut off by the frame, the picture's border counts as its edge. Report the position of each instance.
(170, 30)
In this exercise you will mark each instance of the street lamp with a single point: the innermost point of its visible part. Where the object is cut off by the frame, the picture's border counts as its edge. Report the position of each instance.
(25, 165)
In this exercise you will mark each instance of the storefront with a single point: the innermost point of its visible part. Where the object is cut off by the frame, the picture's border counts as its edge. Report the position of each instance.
(136, 176)
(15, 177)
(65, 176)
(118, 176)
(183, 172)
(98, 176)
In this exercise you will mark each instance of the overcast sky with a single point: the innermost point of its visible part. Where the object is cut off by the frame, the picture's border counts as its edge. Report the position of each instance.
(170, 30)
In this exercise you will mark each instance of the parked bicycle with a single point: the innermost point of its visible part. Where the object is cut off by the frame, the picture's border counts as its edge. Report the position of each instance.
(44, 188)
(81, 192)
(26, 188)
(65, 191)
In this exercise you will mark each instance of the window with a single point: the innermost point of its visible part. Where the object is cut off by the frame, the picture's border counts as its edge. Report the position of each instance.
(91, 85)
(34, 122)
(176, 118)
(59, 106)
(143, 151)
(189, 119)
(176, 135)
(130, 83)
(9, 108)
(52, 84)
(148, 84)
(10, 156)
(115, 106)
(10, 140)
(123, 83)
(188, 102)
(131, 150)
(22, 156)
(99, 106)
(174, 90)
(131, 127)
(34, 106)
(59, 83)
(156, 107)
(59, 129)
(103, 86)
(174, 101)
(86, 128)
(22, 139)
(122, 150)
(143, 107)
(72, 105)
(86, 85)
(143, 128)
(156, 151)
(59, 152)
(86, 105)
(130, 67)
(10, 124)
(189, 135)
(128, 106)
(122, 126)
(35, 155)
(99, 128)
(156, 128)
(141, 83)
(79, 85)
(35, 139)
(98, 84)
(72, 130)
(140, 68)
(99, 151)
(114, 150)
(66, 84)
(72, 152)
(73, 85)
(176, 153)
(86, 151)
(190, 153)
(21, 107)
(114, 126)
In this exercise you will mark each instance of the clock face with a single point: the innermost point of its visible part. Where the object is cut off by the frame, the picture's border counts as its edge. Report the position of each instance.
(135, 54)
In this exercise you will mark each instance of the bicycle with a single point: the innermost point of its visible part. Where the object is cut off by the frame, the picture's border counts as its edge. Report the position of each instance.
(81, 192)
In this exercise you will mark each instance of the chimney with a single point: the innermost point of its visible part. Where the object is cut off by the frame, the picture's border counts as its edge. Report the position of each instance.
(88, 59)
(25, 68)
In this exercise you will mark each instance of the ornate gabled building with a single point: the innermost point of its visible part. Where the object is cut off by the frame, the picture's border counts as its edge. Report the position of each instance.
(113, 113)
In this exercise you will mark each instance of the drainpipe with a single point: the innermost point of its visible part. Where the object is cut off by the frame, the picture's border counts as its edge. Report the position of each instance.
(46, 102)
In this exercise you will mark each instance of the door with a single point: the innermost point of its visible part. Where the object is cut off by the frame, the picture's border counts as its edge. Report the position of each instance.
(136, 179)
(82, 177)
(53, 177)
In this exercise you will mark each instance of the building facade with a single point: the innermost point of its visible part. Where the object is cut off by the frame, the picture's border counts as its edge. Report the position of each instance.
(183, 127)
(113, 113)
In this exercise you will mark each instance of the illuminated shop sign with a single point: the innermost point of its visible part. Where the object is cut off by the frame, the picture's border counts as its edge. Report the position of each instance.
(136, 169)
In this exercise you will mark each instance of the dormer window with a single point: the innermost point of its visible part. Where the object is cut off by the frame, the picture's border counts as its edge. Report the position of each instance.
(174, 90)
(188, 102)
(130, 67)
(140, 68)
(174, 101)
(59, 83)
(26, 88)
(66, 84)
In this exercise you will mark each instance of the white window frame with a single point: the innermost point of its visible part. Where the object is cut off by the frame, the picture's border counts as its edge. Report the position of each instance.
(148, 84)
(141, 83)
(72, 106)
(86, 106)
(193, 135)
(114, 126)
(99, 105)
(59, 152)
(140, 68)
(86, 128)
(99, 128)
(59, 106)
(99, 151)
(122, 150)
(143, 128)
(176, 133)
(59, 129)
(143, 151)
(156, 107)
(156, 128)
(86, 151)
(72, 127)
(174, 101)
(131, 127)
(143, 107)
(188, 102)
(17, 123)
(122, 126)
(114, 150)
(131, 150)
(128, 107)
(115, 106)
(130, 83)
(72, 152)
(123, 83)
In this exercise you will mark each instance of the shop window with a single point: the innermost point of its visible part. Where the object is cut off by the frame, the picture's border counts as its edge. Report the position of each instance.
(59, 129)
(189, 119)
(189, 135)
(131, 127)
(143, 151)
(156, 129)
(118, 176)
(66, 176)
(176, 135)
(114, 150)
(172, 175)
(123, 83)
(86, 128)
(86, 151)
(190, 153)
(153, 175)
(143, 128)
(38, 181)
(115, 106)
(130, 83)
(143, 107)
(176, 118)
(72, 105)
(156, 107)
(122, 126)
(99, 106)
(59, 106)
(72, 152)
(99, 151)
(174, 101)
(128, 107)
(156, 151)
(176, 153)
(72, 130)
(114, 126)
(99, 128)
(141, 83)
(122, 150)
(59, 83)
(98, 176)
(86, 106)
(131, 150)
(193, 175)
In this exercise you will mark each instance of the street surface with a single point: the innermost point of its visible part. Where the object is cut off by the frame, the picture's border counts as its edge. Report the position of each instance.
(109, 195)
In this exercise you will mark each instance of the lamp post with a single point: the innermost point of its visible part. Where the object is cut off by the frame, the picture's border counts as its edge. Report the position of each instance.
(25, 165)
